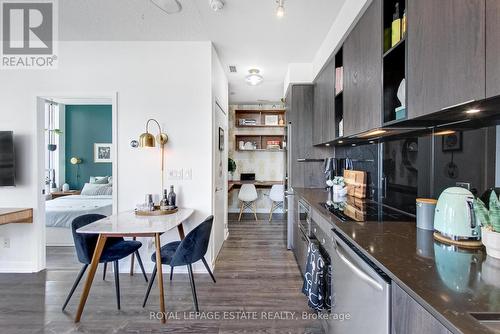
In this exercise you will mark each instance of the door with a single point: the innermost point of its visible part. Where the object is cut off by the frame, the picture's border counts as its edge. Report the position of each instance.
(492, 48)
(363, 73)
(220, 229)
(446, 54)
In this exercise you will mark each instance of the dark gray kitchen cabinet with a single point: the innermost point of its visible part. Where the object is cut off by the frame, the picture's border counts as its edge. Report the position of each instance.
(409, 317)
(446, 54)
(492, 48)
(363, 73)
(324, 104)
(299, 110)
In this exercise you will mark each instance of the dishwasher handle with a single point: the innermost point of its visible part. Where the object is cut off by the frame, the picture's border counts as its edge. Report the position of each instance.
(358, 271)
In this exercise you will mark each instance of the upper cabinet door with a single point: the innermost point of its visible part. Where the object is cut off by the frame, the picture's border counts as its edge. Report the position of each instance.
(492, 48)
(324, 104)
(363, 73)
(446, 54)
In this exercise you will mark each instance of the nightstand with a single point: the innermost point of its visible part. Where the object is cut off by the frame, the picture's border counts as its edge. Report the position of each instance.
(57, 194)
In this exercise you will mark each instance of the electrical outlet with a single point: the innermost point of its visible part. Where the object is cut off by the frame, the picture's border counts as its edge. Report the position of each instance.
(6, 242)
(188, 174)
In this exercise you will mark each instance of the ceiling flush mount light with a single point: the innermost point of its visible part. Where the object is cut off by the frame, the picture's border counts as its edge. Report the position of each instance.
(168, 6)
(216, 5)
(280, 10)
(254, 78)
(472, 111)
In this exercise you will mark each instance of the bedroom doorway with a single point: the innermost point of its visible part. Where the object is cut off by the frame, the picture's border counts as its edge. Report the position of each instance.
(78, 168)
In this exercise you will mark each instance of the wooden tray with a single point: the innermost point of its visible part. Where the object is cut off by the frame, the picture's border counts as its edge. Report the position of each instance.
(472, 244)
(156, 212)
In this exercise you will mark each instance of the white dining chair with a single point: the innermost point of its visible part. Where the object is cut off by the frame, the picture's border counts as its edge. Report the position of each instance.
(248, 196)
(277, 196)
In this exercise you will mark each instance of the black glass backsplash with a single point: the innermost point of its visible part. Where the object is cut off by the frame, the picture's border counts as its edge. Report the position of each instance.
(424, 166)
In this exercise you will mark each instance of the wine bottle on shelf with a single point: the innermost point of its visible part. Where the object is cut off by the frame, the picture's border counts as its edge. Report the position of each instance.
(164, 201)
(171, 197)
(396, 26)
(403, 24)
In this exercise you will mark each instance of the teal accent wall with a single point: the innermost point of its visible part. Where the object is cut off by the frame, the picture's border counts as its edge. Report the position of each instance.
(86, 125)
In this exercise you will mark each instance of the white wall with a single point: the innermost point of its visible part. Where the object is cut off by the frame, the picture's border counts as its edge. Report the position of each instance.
(169, 81)
(497, 161)
(306, 72)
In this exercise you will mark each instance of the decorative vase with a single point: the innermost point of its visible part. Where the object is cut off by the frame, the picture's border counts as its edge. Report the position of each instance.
(65, 187)
(401, 94)
(230, 176)
(52, 147)
(491, 240)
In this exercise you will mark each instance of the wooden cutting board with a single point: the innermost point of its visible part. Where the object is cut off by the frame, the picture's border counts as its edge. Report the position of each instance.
(355, 181)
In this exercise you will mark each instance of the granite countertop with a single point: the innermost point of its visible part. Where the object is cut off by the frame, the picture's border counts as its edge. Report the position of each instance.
(448, 282)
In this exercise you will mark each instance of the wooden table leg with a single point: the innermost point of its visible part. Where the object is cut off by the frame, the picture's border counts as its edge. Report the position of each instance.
(101, 241)
(180, 229)
(159, 276)
(132, 261)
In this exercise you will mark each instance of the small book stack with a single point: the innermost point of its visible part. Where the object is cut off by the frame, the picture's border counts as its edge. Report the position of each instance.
(339, 79)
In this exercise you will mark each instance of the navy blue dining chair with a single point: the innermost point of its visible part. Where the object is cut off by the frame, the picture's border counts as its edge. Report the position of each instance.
(115, 249)
(184, 253)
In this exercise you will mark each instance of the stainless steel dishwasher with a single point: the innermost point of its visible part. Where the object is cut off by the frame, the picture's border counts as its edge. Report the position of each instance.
(361, 290)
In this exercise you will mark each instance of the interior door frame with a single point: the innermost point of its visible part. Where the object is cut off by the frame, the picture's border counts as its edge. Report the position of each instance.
(40, 154)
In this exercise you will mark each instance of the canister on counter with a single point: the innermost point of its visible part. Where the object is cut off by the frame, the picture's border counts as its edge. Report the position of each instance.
(425, 213)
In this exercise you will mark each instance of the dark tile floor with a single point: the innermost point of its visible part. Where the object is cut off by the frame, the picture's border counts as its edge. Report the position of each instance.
(254, 271)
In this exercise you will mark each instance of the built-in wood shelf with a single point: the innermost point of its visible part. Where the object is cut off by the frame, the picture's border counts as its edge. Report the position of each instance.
(266, 143)
(257, 118)
(17, 216)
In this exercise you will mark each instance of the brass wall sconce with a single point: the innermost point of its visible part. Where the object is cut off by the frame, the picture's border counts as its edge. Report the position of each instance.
(148, 140)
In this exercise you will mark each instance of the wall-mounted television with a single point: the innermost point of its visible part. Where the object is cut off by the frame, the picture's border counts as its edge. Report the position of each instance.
(7, 159)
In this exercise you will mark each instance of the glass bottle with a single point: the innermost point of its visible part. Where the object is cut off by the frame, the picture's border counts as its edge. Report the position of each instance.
(164, 201)
(171, 197)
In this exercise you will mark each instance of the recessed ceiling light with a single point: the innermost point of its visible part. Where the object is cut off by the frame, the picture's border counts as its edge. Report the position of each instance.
(254, 78)
(472, 111)
(341, 141)
(327, 144)
(353, 145)
(280, 10)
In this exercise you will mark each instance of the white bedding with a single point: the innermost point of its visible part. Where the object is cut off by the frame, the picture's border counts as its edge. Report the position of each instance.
(61, 211)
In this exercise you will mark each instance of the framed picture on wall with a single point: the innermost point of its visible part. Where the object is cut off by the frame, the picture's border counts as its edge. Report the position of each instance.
(452, 142)
(102, 153)
(221, 139)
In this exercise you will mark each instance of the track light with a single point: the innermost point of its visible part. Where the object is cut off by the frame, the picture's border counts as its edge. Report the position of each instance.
(280, 10)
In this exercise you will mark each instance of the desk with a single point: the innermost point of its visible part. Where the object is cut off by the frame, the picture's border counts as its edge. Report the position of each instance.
(19, 216)
(127, 224)
(257, 184)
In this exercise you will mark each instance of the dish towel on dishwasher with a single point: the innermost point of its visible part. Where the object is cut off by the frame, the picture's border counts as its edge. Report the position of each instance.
(317, 280)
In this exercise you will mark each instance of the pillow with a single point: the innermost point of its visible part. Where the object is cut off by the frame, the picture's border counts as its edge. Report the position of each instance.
(90, 189)
(99, 179)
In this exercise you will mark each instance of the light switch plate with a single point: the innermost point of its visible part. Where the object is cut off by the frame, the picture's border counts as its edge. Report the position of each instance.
(174, 174)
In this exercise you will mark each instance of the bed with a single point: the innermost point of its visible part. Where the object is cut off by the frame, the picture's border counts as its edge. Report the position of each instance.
(60, 212)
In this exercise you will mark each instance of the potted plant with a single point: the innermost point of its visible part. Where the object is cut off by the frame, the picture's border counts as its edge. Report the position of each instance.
(490, 224)
(231, 167)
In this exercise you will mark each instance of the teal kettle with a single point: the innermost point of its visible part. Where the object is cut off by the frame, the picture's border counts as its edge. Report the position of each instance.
(454, 215)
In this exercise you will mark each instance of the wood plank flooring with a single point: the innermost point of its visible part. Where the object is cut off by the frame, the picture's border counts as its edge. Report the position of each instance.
(254, 272)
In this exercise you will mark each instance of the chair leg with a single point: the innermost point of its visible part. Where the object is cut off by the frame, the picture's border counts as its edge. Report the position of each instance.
(208, 269)
(254, 205)
(139, 260)
(193, 288)
(241, 210)
(153, 276)
(171, 272)
(117, 285)
(271, 212)
(104, 271)
(73, 288)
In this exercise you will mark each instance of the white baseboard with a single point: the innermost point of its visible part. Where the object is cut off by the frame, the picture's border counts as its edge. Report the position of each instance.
(14, 267)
